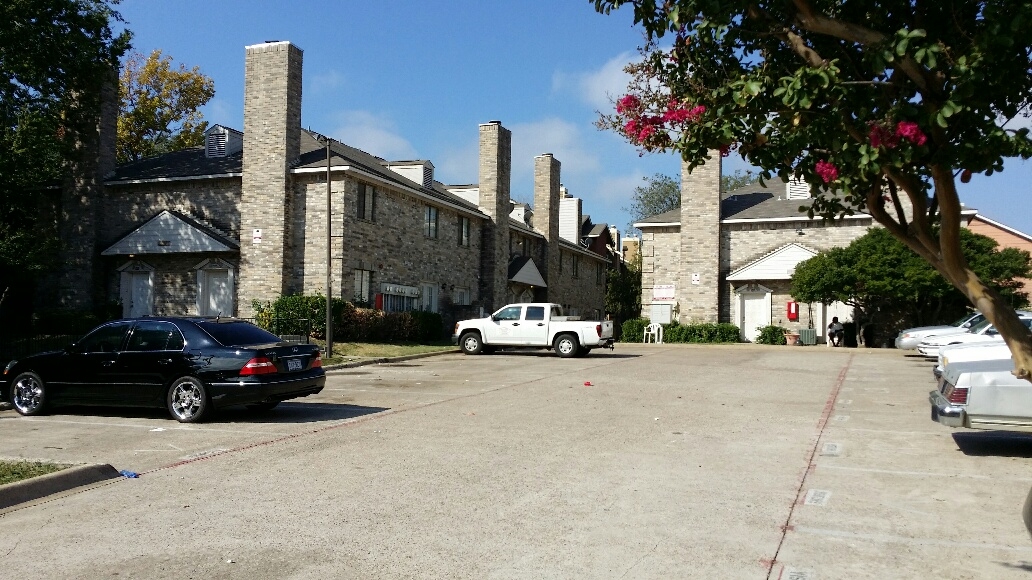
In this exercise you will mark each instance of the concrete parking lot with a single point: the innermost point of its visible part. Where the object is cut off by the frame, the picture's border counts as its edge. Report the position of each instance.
(668, 461)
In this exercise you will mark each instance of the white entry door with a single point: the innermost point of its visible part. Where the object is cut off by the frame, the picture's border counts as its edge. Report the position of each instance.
(141, 298)
(755, 313)
(217, 296)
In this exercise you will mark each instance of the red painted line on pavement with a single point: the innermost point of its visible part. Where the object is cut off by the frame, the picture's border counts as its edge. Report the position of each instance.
(829, 406)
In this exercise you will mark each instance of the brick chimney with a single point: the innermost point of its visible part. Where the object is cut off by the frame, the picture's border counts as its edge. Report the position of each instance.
(495, 181)
(272, 141)
(546, 209)
(698, 286)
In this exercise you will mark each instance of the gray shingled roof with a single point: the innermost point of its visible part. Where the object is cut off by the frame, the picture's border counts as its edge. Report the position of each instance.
(749, 202)
(193, 163)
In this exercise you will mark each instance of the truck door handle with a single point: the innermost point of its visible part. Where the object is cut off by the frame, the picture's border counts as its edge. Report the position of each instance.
(541, 324)
(515, 323)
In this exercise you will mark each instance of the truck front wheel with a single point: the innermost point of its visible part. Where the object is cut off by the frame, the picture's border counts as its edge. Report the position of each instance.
(471, 344)
(566, 345)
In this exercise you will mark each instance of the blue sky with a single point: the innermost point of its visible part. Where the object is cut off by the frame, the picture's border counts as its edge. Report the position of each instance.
(413, 80)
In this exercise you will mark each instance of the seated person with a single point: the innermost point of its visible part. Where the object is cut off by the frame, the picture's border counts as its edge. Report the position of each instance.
(835, 332)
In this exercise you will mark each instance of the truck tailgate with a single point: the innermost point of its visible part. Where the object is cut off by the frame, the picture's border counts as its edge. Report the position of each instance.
(607, 329)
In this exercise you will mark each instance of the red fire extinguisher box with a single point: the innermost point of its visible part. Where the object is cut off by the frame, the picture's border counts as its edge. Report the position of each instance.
(793, 310)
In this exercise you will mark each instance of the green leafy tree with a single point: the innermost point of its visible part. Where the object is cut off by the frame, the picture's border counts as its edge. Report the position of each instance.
(55, 56)
(873, 103)
(158, 106)
(623, 291)
(893, 287)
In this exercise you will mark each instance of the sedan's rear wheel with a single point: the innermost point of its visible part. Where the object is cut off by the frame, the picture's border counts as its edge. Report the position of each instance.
(188, 400)
(28, 394)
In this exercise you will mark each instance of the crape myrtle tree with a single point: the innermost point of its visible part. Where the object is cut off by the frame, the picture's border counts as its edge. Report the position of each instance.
(893, 287)
(875, 103)
(872, 102)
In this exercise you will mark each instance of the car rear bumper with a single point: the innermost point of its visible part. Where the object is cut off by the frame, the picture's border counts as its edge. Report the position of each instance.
(945, 412)
(266, 390)
(929, 350)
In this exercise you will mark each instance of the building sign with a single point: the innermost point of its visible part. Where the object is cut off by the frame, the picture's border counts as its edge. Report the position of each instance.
(399, 290)
(663, 292)
(256, 236)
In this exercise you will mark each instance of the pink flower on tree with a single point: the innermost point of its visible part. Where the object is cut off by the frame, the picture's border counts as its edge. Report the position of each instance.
(880, 136)
(627, 103)
(827, 171)
(911, 132)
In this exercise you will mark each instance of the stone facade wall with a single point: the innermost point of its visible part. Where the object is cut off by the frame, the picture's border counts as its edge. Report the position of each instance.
(581, 293)
(393, 246)
(660, 261)
(272, 140)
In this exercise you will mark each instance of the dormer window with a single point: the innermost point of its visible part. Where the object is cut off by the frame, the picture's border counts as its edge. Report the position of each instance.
(221, 141)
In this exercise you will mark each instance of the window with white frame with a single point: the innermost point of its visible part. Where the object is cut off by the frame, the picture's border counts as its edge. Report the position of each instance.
(363, 282)
(463, 231)
(366, 202)
(398, 298)
(461, 297)
(430, 222)
(428, 297)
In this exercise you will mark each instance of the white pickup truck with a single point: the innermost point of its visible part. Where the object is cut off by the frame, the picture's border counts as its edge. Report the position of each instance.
(533, 325)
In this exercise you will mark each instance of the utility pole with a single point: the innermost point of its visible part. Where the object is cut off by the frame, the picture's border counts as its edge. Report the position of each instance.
(329, 256)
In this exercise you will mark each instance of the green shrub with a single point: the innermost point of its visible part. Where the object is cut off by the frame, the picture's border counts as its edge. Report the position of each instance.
(633, 330)
(771, 334)
(429, 326)
(701, 333)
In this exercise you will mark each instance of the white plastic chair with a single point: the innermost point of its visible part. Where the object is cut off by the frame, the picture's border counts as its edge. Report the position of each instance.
(655, 331)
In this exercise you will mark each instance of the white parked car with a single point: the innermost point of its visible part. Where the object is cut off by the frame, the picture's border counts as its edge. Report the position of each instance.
(982, 395)
(909, 338)
(970, 352)
(982, 332)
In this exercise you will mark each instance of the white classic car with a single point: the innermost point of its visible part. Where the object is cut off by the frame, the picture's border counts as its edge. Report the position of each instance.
(959, 353)
(982, 395)
(982, 332)
(909, 338)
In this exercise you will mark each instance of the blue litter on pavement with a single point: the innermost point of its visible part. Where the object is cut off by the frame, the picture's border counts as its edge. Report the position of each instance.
(129, 474)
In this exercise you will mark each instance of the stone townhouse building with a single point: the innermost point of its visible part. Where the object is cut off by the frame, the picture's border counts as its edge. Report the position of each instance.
(729, 257)
(209, 230)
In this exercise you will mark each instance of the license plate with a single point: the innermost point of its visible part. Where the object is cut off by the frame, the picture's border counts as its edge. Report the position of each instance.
(293, 364)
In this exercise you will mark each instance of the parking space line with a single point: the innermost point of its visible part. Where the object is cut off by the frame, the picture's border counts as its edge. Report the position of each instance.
(829, 407)
(390, 391)
(892, 539)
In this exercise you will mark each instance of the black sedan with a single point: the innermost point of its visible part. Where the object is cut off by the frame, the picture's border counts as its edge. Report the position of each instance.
(190, 365)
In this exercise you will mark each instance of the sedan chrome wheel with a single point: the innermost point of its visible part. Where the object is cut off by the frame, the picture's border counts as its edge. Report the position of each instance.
(28, 394)
(187, 400)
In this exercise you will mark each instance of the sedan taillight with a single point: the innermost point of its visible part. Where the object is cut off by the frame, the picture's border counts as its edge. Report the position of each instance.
(318, 360)
(958, 396)
(258, 366)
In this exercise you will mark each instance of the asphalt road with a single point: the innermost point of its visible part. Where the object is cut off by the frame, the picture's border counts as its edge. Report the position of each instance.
(651, 462)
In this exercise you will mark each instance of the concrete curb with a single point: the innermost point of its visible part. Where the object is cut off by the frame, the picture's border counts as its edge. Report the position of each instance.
(70, 478)
(382, 360)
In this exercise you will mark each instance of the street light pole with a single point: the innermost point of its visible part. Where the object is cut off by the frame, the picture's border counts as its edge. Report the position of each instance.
(329, 256)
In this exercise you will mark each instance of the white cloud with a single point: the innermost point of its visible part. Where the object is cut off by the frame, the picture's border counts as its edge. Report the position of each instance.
(373, 134)
(221, 112)
(560, 138)
(597, 88)
(325, 81)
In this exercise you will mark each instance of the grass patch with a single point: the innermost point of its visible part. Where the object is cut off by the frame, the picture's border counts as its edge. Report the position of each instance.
(350, 351)
(12, 471)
